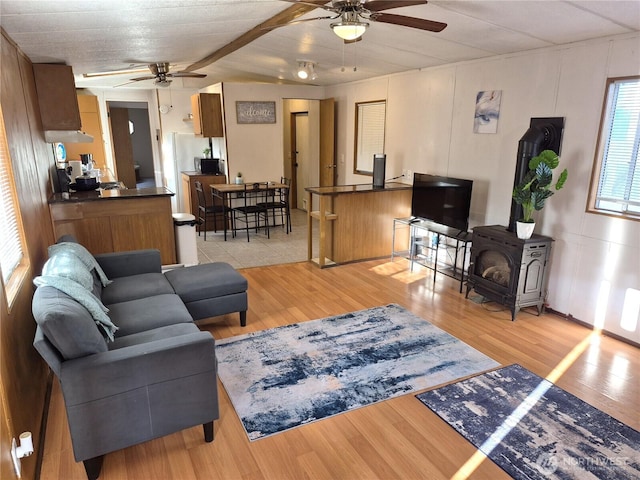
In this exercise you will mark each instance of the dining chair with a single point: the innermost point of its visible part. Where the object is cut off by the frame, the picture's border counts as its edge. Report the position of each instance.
(278, 204)
(251, 209)
(205, 210)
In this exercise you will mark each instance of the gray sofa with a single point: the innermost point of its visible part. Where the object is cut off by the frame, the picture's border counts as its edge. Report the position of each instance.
(143, 369)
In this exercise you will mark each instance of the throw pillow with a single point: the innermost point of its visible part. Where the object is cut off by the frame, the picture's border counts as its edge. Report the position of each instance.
(84, 297)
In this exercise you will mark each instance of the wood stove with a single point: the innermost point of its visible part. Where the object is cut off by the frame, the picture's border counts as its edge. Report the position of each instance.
(509, 270)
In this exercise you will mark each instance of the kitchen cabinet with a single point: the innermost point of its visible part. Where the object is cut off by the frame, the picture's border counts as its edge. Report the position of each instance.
(117, 220)
(57, 97)
(207, 115)
(190, 196)
(91, 124)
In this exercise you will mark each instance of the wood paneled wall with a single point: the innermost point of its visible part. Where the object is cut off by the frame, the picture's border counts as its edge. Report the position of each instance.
(23, 374)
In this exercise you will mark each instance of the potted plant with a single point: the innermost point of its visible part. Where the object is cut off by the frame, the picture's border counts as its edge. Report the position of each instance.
(536, 186)
(206, 152)
(239, 180)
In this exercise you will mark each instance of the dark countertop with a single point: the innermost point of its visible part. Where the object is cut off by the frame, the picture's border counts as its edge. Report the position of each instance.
(113, 194)
(193, 173)
(362, 188)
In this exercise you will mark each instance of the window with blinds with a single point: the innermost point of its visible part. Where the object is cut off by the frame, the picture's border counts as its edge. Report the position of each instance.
(370, 125)
(617, 169)
(12, 252)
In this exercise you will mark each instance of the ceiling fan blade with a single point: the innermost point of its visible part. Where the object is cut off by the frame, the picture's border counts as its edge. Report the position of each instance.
(413, 22)
(311, 3)
(296, 22)
(139, 79)
(186, 74)
(379, 5)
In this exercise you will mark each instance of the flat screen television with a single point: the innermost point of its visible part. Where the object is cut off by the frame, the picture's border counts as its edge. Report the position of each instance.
(443, 200)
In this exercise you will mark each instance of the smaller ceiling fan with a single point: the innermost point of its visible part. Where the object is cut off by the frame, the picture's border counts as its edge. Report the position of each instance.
(354, 14)
(160, 72)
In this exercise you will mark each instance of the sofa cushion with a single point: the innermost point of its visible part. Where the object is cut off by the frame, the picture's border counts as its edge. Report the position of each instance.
(209, 280)
(66, 324)
(148, 313)
(169, 331)
(124, 289)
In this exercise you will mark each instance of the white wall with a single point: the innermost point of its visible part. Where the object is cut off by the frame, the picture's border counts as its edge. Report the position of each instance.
(257, 150)
(596, 259)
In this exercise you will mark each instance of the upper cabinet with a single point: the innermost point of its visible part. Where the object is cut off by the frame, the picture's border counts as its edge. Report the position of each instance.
(207, 115)
(91, 124)
(57, 97)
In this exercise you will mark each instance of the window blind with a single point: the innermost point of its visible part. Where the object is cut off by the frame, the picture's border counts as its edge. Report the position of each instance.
(619, 183)
(11, 253)
(370, 134)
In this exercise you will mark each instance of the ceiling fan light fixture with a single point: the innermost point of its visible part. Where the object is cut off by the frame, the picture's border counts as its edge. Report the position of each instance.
(306, 70)
(349, 30)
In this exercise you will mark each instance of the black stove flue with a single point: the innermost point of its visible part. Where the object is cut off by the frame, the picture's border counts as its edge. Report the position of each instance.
(543, 134)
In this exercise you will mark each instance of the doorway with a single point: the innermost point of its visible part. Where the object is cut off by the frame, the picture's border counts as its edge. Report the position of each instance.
(131, 141)
(309, 137)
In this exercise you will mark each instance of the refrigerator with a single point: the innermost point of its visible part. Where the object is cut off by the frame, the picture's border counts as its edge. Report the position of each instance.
(186, 146)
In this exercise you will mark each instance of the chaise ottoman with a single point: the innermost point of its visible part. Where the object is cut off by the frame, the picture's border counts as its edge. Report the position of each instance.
(205, 298)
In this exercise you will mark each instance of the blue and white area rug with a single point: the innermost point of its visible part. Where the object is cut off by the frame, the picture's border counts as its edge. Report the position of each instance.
(535, 430)
(295, 374)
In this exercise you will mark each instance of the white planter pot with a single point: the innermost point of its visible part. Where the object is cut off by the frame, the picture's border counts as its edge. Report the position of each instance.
(238, 180)
(524, 230)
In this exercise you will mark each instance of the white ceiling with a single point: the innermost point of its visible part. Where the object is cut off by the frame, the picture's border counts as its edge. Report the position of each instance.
(103, 35)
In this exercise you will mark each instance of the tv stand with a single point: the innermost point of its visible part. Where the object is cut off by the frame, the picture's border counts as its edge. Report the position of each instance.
(428, 239)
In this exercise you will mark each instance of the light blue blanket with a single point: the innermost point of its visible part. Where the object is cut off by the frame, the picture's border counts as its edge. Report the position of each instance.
(83, 254)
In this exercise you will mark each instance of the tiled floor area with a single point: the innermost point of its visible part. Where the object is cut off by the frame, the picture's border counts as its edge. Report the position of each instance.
(260, 250)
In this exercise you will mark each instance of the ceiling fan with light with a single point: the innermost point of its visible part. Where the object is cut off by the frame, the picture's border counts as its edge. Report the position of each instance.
(160, 72)
(353, 16)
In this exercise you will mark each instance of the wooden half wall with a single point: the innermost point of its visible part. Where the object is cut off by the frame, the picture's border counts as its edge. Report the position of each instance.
(23, 374)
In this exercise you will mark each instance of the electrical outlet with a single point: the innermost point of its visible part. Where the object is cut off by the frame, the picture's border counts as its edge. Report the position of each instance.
(409, 175)
(14, 456)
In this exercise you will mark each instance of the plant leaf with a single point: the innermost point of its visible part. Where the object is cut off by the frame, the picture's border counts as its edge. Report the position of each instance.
(544, 174)
(562, 179)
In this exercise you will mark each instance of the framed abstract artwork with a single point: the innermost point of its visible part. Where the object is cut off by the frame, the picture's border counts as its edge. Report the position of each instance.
(487, 111)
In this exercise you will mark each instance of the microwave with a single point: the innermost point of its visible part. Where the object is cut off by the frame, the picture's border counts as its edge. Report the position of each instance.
(207, 166)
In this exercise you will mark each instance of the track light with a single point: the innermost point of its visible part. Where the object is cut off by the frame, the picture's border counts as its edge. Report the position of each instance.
(306, 70)
(349, 27)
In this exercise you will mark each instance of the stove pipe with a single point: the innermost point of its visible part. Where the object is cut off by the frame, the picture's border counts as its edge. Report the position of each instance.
(543, 134)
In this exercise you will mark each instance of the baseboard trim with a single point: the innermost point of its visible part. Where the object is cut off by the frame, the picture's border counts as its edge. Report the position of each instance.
(43, 424)
(571, 318)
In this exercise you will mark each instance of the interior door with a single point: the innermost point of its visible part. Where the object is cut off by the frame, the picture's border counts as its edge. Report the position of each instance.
(327, 143)
(122, 148)
(302, 157)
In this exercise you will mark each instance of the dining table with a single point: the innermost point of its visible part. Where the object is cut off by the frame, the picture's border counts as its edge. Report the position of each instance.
(227, 192)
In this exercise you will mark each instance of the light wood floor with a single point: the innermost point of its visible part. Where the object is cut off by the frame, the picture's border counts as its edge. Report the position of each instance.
(395, 439)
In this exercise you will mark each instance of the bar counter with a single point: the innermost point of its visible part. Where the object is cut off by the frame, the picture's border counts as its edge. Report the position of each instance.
(355, 221)
(117, 220)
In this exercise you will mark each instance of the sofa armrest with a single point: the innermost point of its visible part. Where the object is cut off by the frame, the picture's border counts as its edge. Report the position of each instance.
(134, 262)
(110, 373)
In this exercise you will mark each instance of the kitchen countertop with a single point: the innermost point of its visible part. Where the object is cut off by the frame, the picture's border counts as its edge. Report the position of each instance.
(112, 194)
(361, 188)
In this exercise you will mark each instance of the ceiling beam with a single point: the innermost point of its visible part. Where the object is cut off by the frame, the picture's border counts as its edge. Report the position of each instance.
(285, 16)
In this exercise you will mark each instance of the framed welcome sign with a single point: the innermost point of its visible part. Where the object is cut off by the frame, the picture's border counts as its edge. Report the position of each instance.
(256, 112)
